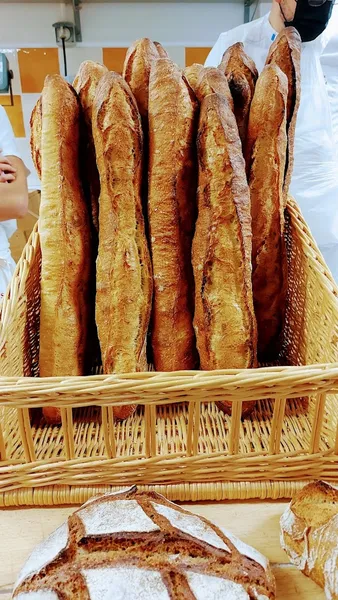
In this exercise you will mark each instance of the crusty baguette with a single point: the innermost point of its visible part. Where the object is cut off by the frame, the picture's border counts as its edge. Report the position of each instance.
(85, 84)
(224, 319)
(136, 71)
(242, 75)
(192, 74)
(285, 52)
(212, 81)
(124, 279)
(172, 206)
(36, 133)
(309, 534)
(64, 229)
(266, 155)
(161, 51)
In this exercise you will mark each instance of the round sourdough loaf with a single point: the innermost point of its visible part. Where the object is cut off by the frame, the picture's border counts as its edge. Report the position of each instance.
(138, 546)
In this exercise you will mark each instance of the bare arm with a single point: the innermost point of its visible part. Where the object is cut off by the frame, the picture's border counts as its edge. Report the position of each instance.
(13, 191)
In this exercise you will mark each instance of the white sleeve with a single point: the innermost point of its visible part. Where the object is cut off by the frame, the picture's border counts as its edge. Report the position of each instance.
(216, 54)
(8, 145)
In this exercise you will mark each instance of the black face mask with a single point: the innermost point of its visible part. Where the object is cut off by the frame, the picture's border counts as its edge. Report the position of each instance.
(311, 18)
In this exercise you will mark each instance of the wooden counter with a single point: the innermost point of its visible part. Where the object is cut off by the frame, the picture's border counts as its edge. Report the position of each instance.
(256, 523)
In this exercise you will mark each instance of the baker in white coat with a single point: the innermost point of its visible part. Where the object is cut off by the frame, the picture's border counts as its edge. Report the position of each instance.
(315, 176)
(13, 196)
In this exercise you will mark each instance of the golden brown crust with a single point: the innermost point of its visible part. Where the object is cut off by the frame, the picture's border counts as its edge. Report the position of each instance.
(224, 319)
(172, 205)
(285, 52)
(213, 81)
(124, 280)
(267, 138)
(85, 84)
(192, 74)
(64, 229)
(161, 51)
(36, 133)
(136, 71)
(242, 74)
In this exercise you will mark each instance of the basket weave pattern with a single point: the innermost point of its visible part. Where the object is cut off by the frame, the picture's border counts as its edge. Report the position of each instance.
(177, 442)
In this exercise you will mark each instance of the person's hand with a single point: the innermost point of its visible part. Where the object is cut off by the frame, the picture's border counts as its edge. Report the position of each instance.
(7, 171)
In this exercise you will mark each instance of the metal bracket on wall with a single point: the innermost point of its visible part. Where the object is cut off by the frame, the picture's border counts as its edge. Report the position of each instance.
(247, 5)
(77, 20)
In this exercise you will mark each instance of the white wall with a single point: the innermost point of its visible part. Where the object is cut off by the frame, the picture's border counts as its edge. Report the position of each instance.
(197, 24)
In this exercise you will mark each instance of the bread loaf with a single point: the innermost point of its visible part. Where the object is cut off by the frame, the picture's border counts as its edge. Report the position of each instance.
(224, 320)
(213, 81)
(171, 211)
(309, 534)
(64, 229)
(134, 544)
(161, 51)
(242, 75)
(285, 52)
(136, 71)
(266, 154)
(192, 74)
(36, 134)
(85, 84)
(123, 276)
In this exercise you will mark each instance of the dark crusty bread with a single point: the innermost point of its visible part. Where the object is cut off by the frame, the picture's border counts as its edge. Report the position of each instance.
(266, 154)
(123, 276)
(242, 75)
(192, 74)
(36, 134)
(285, 52)
(309, 534)
(64, 229)
(224, 319)
(132, 544)
(85, 84)
(213, 81)
(136, 71)
(171, 210)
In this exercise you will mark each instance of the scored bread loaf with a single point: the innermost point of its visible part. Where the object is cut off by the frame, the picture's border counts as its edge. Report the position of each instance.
(285, 52)
(192, 74)
(266, 155)
(64, 229)
(123, 276)
(242, 75)
(213, 81)
(224, 319)
(171, 212)
(85, 84)
(161, 51)
(136, 71)
(309, 534)
(36, 135)
(131, 544)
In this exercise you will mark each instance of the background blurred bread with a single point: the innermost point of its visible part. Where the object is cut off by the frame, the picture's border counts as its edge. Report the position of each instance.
(266, 156)
(192, 74)
(65, 239)
(172, 212)
(213, 81)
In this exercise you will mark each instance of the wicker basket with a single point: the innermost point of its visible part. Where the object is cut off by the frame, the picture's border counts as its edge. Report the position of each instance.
(177, 442)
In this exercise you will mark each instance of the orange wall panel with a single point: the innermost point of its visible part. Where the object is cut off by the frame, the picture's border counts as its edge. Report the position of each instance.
(113, 58)
(14, 114)
(34, 65)
(196, 55)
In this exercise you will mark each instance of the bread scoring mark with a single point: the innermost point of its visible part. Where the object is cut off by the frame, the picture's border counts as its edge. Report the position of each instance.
(125, 582)
(246, 550)
(38, 595)
(113, 517)
(192, 525)
(207, 587)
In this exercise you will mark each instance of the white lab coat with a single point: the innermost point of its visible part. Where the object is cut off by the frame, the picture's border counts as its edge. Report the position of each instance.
(315, 177)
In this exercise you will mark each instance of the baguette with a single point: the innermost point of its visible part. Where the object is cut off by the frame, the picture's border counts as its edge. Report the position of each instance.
(224, 319)
(124, 280)
(161, 51)
(65, 239)
(192, 74)
(309, 534)
(136, 71)
(285, 52)
(242, 75)
(213, 81)
(171, 209)
(85, 84)
(266, 154)
(36, 133)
